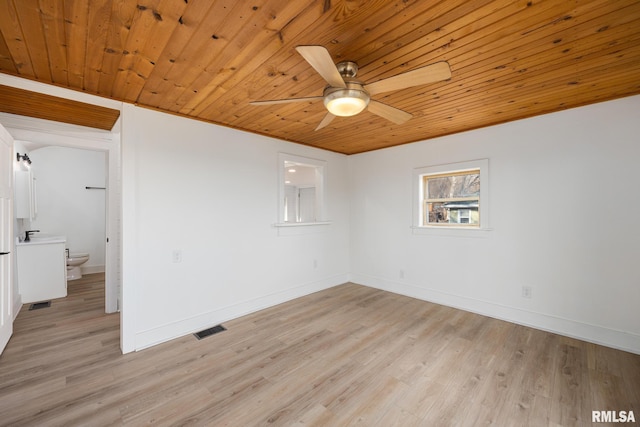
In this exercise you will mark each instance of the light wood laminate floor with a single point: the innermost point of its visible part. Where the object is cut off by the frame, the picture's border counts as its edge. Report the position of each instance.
(350, 355)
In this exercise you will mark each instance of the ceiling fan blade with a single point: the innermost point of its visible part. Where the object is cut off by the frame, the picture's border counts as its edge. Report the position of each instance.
(327, 119)
(285, 101)
(420, 76)
(318, 57)
(388, 112)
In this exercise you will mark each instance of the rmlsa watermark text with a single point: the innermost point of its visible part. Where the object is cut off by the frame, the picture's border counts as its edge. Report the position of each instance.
(613, 417)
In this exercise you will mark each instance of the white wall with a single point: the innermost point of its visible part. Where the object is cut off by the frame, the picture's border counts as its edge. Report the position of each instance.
(211, 192)
(65, 206)
(564, 213)
(180, 177)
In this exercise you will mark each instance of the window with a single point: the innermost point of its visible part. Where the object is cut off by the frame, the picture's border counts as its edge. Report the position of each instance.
(301, 195)
(299, 192)
(452, 196)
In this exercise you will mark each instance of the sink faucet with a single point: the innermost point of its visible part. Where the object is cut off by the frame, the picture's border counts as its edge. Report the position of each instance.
(28, 233)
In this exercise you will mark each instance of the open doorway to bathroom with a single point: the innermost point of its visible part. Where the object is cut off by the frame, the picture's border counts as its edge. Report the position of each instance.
(74, 158)
(71, 201)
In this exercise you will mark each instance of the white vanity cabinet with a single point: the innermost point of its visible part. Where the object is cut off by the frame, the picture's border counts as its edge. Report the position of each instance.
(42, 270)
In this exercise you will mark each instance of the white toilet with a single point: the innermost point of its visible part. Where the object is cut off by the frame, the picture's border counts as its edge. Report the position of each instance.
(74, 261)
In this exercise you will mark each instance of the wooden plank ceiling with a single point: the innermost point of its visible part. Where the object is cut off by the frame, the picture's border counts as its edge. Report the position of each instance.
(207, 59)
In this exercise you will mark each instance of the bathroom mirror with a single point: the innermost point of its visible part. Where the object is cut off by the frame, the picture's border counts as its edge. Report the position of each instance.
(301, 190)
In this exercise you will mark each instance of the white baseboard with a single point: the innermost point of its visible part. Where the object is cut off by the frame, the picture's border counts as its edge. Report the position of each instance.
(90, 269)
(17, 305)
(620, 340)
(183, 327)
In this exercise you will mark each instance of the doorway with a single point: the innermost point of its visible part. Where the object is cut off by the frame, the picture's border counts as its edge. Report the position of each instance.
(37, 133)
(71, 201)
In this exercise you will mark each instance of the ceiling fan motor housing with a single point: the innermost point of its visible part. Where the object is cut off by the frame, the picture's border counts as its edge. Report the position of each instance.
(347, 69)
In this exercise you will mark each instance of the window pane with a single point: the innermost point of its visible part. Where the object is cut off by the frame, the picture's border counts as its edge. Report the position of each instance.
(301, 192)
(447, 187)
(453, 213)
(437, 213)
(453, 198)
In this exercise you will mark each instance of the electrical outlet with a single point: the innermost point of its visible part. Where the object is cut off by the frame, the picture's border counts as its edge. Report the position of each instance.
(526, 292)
(176, 255)
(315, 263)
(402, 274)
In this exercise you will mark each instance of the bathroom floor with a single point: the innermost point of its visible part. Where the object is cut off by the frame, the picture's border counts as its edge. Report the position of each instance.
(69, 316)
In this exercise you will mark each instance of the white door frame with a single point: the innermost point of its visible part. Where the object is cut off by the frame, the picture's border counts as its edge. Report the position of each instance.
(7, 245)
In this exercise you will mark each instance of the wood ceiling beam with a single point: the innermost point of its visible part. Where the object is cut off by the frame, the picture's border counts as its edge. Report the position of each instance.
(33, 104)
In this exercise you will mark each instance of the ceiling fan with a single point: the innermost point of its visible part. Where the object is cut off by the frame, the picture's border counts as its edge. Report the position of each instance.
(346, 96)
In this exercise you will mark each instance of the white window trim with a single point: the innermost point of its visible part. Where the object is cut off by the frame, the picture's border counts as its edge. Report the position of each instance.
(444, 230)
(300, 224)
(321, 204)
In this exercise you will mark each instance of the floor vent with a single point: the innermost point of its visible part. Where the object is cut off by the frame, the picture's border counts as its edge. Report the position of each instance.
(209, 332)
(39, 305)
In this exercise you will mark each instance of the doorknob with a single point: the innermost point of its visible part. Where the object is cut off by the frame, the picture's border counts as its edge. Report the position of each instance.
(5, 253)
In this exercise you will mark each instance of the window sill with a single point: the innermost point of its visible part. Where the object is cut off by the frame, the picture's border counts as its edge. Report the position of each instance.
(300, 224)
(443, 231)
(300, 228)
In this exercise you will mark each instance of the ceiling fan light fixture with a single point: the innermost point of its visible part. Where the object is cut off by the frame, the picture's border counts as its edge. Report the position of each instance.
(346, 102)
(346, 96)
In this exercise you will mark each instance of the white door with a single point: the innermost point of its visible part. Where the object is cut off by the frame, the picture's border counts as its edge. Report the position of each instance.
(6, 237)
